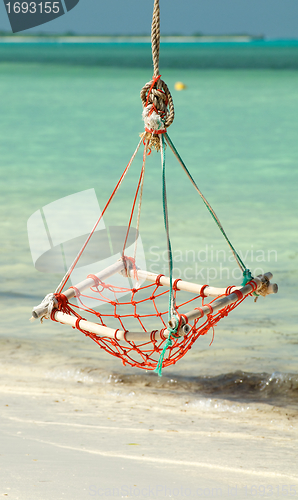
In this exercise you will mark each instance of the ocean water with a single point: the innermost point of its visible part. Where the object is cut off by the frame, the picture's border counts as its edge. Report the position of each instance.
(255, 54)
(70, 122)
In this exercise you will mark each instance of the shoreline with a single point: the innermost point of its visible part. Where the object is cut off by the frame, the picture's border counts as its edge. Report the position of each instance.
(67, 39)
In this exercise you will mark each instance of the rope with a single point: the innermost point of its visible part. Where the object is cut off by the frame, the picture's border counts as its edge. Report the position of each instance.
(156, 99)
(141, 179)
(155, 95)
(141, 196)
(67, 275)
(247, 276)
(216, 219)
(172, 310)
(172, 305)
(155, 37)
(158, 368)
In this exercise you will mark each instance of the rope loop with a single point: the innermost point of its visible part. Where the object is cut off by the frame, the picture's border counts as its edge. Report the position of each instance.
(158, 105)
(157, 281)
(77, 291)
(175, 288)
(202, 294)
(129, 264)
(96, 280)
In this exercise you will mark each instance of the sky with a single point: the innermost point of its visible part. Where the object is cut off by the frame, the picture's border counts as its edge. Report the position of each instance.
(274, 19)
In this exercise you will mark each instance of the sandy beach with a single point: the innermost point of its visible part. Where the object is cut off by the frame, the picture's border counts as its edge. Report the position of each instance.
(77, 442)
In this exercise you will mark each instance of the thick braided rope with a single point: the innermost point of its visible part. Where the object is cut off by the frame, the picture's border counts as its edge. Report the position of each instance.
(156, 92)
(155, 37)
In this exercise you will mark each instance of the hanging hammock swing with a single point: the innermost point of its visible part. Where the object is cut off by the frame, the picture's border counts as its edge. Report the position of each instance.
(122, 317)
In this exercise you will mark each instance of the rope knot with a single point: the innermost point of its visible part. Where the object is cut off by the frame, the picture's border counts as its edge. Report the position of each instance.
(154, 124)
(158, 112)
(129, 265)
(157, 100)
(97, 281)
(62, 301)
(247, 276)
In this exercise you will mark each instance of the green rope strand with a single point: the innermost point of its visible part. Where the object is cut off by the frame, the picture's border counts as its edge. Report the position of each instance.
(158, 368)
(166, 224)
(171, 316)
(247, 276)
(213, 214)
(168, 343)
(246, 272)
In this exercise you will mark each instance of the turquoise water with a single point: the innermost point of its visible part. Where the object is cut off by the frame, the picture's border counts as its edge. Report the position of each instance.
(258, 54)
(68, 128)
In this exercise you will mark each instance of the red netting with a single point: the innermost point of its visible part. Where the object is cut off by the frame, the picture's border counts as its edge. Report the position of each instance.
(135, 318)
(132, 322)
(143, 310)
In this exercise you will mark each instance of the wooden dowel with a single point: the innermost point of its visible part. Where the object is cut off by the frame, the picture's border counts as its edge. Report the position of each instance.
(185, 286)
(104, 331)
(42, 309)
(88, 326)
(218, 304)
(227, 300)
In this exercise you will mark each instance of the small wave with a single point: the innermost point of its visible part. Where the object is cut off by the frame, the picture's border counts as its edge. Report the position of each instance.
(26, 359)
(276, 388)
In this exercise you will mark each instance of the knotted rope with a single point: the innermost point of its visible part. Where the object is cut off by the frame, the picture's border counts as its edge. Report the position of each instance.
(156, 98)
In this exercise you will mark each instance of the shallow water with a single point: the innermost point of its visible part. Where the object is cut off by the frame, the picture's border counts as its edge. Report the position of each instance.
(68, 128)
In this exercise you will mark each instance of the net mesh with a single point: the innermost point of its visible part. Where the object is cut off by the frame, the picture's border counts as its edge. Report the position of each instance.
(139, 316)
(143, 309)
(146, 325)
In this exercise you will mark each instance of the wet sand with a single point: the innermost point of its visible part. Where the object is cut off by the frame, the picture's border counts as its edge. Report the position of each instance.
(78, 442)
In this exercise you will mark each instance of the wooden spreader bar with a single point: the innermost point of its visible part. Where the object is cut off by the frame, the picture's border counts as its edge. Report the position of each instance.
(42, 309)
(104, 331)
(258, 283)
(186, 286)
(222, 302)
(102, 276)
